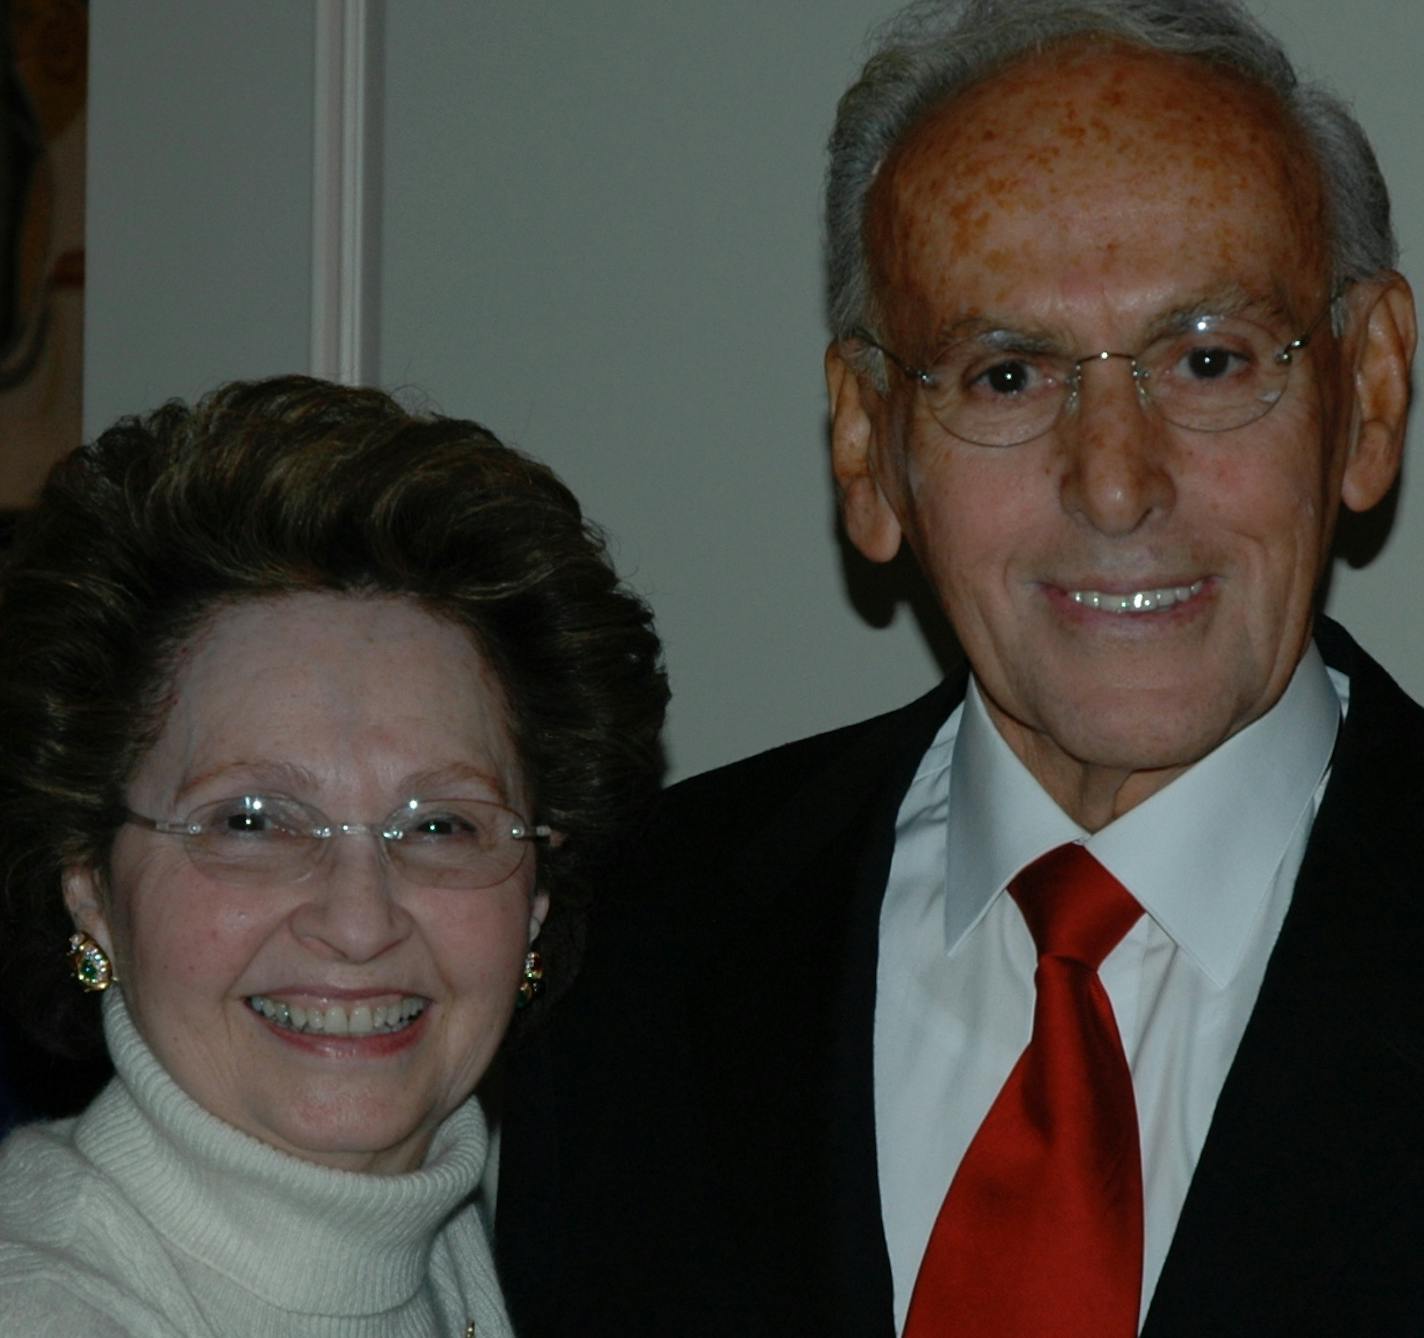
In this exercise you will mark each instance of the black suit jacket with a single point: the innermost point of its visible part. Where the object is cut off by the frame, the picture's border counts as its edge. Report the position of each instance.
(689, 1147)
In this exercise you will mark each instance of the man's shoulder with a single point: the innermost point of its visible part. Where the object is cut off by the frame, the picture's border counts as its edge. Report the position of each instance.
(858, 756)
(1383, 734)
(1373, 804)
(722, 838)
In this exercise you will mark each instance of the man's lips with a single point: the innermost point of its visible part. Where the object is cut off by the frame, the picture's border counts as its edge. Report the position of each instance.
(1145, 599)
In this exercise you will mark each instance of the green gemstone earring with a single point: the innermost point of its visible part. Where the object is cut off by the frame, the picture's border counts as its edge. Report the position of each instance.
(531, 986)
(90, 964)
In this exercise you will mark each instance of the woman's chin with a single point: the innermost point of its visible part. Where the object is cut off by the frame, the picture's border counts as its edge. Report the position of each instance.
(365, 1131)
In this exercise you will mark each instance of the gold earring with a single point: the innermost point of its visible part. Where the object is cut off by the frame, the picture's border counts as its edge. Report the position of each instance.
(532, 984)
(90, 964)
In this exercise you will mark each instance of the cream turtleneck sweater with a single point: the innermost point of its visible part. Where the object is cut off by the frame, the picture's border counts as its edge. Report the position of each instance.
(147, 1217)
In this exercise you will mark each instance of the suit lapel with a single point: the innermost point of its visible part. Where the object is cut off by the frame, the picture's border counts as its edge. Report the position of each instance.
(795, 1112)
(1288, 1227)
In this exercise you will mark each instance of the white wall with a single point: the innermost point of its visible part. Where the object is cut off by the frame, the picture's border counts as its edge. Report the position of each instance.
(599, 229)
(199, 208)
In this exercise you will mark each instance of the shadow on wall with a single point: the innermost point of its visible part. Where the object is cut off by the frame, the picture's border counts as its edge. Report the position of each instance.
(1360, 538)
(877, 590)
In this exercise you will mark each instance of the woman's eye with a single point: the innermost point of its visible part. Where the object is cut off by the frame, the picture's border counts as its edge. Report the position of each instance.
(442, 825)
(248, 823)
(249, 817)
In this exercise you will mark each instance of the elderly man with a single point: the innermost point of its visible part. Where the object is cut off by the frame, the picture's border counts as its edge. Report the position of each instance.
(1080, 997)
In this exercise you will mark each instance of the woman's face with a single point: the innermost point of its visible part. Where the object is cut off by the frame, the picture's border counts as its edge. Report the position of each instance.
(352, 705)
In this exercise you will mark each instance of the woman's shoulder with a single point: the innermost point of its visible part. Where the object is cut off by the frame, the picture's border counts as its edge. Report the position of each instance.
(44, 1180)
(68, 1243)
(40, 1302)
(59, 1209)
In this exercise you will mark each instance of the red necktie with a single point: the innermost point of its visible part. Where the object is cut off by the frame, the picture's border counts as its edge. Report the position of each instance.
(1041, 1231)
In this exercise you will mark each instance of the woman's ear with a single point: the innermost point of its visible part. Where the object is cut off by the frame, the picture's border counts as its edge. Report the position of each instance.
(538, 912)
(84, 896)
(1383, 356)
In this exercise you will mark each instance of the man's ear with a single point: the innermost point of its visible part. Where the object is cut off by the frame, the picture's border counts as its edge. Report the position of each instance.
(1383, 355)
(856, 424)
(84, 897)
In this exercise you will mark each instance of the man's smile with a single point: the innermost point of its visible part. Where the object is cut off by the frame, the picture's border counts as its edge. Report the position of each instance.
(1147, 600)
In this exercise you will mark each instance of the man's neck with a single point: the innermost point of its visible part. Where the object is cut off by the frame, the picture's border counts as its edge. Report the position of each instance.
(1092, 793)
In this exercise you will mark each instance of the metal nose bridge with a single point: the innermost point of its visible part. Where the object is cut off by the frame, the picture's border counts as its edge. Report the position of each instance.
(1139, 373)
(1140, 376)
(381, 832)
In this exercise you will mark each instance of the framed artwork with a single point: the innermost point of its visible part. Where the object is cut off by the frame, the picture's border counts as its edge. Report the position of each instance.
(43, 81)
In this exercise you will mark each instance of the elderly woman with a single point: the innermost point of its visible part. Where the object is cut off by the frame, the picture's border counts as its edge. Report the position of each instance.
(315, 718)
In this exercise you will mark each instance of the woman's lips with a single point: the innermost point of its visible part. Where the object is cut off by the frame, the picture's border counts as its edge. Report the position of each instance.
(385, 1016)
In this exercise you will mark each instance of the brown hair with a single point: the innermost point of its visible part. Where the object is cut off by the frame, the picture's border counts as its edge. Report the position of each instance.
(272, 487)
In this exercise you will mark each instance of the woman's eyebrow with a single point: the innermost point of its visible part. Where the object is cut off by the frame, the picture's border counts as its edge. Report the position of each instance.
(432, 781)
(263, 773)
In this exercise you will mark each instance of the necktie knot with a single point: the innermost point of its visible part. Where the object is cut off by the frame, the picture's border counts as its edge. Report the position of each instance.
(1074, 908)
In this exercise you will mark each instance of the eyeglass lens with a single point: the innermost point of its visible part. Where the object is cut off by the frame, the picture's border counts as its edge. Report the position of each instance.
(457, 843)
(1217, 375)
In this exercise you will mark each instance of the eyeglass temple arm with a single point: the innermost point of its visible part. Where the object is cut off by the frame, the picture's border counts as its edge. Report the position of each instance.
(154, 825)
(914, 373)
(1295, 345)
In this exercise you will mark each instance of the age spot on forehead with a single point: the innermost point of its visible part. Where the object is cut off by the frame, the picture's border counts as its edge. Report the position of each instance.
(1094, 148)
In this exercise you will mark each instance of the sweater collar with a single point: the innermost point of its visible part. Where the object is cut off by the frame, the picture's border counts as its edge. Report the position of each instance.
(301, 1236)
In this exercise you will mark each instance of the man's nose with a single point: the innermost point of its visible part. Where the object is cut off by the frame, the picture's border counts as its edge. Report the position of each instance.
(352, 910)
(1116, 474)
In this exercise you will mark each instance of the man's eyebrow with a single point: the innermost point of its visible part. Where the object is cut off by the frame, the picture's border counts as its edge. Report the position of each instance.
(1232, 301)
(995, 333)
(1228, 301)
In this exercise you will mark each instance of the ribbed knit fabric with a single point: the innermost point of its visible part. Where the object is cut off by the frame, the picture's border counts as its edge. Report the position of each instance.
(149, 1217)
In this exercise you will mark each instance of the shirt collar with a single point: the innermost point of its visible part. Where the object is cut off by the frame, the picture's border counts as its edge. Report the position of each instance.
(1234, 812)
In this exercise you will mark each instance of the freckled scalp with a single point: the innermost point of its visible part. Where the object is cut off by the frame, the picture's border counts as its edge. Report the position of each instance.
(935, 52)
(1162, 135)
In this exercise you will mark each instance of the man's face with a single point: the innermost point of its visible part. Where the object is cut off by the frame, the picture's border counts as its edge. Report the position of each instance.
(1086, 199)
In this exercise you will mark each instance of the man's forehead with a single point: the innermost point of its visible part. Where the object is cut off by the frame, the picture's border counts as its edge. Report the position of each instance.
(1098, 148)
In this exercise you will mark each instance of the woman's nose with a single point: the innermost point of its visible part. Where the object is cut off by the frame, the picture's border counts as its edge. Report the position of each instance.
(352, 909)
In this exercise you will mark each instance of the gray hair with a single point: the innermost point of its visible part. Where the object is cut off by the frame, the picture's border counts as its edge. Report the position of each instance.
(935, 49)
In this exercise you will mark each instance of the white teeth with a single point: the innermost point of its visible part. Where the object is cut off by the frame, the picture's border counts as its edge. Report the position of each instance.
(1137, 601)
(334, 1020)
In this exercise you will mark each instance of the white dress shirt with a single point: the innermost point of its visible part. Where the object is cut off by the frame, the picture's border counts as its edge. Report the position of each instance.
(1212, 858)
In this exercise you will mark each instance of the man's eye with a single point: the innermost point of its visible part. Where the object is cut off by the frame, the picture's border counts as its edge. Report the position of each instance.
(1007, 378)
(1213, 362)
